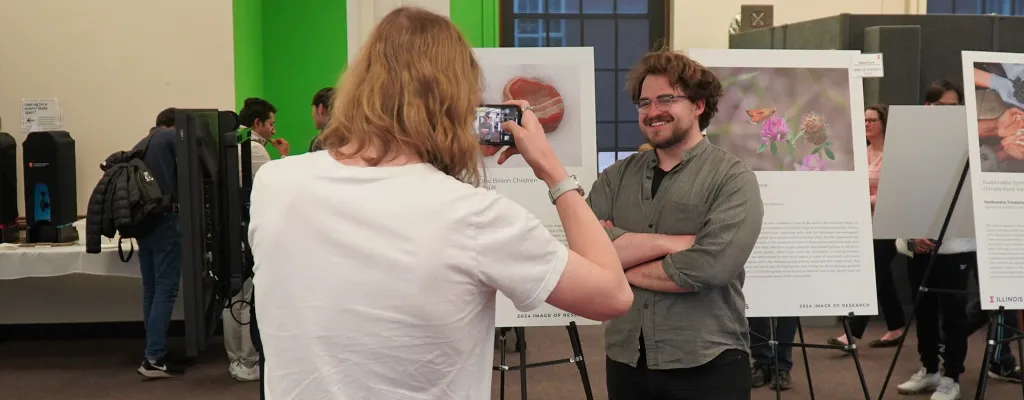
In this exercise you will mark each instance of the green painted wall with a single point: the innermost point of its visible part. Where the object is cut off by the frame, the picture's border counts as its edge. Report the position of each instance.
(248, 48)
(287, 50)
(305, 47)
(477, 19)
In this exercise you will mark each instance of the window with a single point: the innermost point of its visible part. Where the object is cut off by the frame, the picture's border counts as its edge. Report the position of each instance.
(620, 31)
(1001, 7)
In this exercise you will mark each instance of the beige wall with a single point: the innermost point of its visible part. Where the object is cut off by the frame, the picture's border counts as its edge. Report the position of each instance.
(364, 14)
(705, 24)
(113, 64)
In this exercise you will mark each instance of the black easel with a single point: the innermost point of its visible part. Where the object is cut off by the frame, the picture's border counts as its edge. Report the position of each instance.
(994, 323)
(923, 289)
(850, 348)
(577, 358)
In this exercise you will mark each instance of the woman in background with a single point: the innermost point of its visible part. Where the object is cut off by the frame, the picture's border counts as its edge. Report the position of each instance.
(875, 118)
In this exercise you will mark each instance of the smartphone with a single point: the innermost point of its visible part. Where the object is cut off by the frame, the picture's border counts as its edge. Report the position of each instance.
(488, 123)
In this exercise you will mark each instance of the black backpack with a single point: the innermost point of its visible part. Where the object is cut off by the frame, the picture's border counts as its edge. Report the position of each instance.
(150, 205)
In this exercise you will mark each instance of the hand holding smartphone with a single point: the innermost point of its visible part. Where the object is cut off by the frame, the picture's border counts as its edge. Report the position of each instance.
(525, 136)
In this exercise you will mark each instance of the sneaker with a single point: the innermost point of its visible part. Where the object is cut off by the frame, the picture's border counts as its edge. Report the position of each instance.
(758, 376)
(782, 381)
(233, 368)
(920, 382)
(947, 390)
(159, 369)
(247, 374)
(996, 371)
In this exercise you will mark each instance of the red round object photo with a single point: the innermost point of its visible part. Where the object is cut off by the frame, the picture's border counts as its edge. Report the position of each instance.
(543, 97)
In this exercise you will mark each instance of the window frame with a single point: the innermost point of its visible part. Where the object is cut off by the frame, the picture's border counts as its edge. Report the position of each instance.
(658, 18)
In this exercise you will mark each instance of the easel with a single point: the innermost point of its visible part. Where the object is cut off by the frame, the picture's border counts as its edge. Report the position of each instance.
(577, 358)
(994, 322)
(850, 348)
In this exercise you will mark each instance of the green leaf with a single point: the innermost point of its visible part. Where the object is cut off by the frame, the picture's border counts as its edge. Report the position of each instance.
(829, 154)
(792, 147)
(761, 147)
(816, 150)
(775, 151)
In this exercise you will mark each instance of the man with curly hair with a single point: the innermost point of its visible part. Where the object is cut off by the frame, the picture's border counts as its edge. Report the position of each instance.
(683, 218)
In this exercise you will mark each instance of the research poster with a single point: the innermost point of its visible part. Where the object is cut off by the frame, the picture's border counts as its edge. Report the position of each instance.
(994, 97)
(559, 84)
(796, 118)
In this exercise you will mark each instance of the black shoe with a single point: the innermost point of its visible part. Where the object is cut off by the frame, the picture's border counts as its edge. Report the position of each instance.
(159, 369)
(996, 371)
(758, 376)
(782, 381)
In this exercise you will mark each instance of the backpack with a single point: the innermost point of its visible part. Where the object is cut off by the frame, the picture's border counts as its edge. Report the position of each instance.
(148, 206)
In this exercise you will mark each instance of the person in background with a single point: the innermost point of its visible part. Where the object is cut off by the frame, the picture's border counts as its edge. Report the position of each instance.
(378, 260)
(684, 218)
(645, 147)
(160, 250)
(243, 357)
(260, 117)
(945, 92)
(875, 118)
(321, 112)
(763, 371)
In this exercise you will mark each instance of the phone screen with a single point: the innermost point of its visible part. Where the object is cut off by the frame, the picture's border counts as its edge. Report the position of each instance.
(488, 123)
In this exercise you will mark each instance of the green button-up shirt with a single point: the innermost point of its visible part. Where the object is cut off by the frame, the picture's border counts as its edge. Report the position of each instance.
(710, 194)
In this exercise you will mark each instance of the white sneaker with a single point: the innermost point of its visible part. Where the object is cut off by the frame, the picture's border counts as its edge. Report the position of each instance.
(947, 390)
(233, 368)
(245, 374)
(922, 381)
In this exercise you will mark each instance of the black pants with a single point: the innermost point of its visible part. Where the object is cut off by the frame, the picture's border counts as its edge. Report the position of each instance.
(951, 271)
(726, 377)
(888, 300)
(257, 343)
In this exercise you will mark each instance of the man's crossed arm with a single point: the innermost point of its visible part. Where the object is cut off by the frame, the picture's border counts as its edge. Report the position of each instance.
(691, 263)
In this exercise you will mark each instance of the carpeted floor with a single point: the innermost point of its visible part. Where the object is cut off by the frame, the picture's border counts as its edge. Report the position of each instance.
(104, 369)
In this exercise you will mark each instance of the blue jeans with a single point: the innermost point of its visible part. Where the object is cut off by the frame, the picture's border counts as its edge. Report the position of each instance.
(160, 261)
(760, 332)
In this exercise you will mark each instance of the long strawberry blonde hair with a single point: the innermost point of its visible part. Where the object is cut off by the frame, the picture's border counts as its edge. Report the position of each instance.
(414, 87)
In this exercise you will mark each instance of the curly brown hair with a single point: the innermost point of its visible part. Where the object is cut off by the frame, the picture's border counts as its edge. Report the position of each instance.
(695, 80)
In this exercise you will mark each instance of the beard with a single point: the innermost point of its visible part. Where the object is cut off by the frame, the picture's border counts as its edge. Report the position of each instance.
(676, 135)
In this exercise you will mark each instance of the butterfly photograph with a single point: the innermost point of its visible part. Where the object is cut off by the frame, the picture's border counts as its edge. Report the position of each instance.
(786, 119)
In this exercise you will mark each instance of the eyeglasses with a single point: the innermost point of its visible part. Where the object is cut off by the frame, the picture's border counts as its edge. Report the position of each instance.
(662, 102)
(871, 120)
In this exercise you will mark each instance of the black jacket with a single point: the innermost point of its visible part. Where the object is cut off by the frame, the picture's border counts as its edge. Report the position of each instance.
(110, 204)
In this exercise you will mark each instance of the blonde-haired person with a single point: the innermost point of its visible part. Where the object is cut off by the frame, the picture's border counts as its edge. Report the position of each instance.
(377, 261)
(645, 147)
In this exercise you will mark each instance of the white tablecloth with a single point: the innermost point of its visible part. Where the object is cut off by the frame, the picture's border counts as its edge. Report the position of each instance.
(18, 262)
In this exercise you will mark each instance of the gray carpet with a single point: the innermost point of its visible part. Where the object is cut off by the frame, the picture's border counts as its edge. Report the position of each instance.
(104, 369)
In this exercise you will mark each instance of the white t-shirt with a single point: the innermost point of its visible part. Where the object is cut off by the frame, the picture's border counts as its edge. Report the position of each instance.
(379, 283)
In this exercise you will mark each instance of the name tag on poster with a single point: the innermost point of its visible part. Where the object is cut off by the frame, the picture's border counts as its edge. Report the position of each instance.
(868, 66)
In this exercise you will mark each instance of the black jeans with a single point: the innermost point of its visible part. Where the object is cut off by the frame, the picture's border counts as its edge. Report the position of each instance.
(951, 271)
(888, 300)
(726, 377)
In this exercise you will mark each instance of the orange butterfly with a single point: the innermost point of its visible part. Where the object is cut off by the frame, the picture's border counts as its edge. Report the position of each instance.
(758, 115)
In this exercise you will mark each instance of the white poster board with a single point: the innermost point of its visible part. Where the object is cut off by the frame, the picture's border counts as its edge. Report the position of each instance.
(994, 93)
(541, 75)
(795, 117)
(916, 187)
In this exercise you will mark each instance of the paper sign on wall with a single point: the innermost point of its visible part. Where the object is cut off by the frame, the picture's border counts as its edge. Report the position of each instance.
(41, 115)
(868, 66)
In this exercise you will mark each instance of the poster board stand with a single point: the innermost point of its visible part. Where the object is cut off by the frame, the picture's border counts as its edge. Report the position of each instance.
(909, 207)
(577, 358)
(520, 334)
(803, 346)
